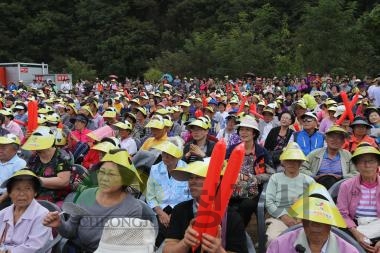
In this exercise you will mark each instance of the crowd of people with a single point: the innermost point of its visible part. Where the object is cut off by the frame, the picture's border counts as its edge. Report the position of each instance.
(146, 148)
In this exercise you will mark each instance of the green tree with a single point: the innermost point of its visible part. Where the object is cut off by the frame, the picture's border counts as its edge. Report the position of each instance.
(80, 70)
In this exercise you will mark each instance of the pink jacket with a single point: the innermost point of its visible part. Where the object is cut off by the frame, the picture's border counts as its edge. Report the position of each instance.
(349, 197)
(288, 241)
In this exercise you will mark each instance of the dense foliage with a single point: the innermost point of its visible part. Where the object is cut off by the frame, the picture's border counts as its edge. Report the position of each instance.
(193, 37)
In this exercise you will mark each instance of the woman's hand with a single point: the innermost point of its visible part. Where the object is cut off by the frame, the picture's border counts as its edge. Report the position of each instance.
(213, 244)
(52, 220)
(377, 247)
(196, 150)
(289, 221)
(362, 240)
(164, 218)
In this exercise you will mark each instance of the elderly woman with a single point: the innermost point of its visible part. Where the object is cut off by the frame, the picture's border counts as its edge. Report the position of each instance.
(79, 134)
(360, 128)
(163, 191)
(50, 164)
(373, 117)
(21, 226)
(283, 189)
(256, 169)
(278, 137)
(229, 133)
(110, 199)
(318, 214)
(359, 197)
(182, 237)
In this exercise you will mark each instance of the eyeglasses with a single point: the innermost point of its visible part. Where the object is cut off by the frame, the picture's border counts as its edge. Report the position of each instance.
(308, 120)
(368, 162)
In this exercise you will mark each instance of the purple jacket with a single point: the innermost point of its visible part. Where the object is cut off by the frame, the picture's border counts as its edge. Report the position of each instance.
(288, 241)
(349, 197)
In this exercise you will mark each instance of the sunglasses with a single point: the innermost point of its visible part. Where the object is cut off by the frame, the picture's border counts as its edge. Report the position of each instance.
(308, 120)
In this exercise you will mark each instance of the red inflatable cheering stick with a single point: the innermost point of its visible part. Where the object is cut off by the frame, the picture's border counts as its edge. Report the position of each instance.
(349, 106)
(209, 188)
(227, 185)
(32, 116)
(213, 201)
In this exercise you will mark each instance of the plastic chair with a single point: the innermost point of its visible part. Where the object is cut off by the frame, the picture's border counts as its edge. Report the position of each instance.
(49, 245)
(250, 246)
(334, 189)
(261, 228)
(337, 232)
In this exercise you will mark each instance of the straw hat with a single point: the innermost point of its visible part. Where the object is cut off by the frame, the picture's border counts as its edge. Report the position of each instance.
(292, 152)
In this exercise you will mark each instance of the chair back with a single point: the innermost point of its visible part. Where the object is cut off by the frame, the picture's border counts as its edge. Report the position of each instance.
(334, 189)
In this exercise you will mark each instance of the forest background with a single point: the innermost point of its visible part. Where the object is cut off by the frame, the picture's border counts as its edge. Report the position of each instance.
(200, 38)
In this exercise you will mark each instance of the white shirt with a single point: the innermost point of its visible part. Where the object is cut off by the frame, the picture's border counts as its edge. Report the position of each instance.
(374, 94)
(66, 86)
(130, 145)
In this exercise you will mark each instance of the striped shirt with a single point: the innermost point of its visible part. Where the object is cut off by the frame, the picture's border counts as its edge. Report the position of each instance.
(367, 203)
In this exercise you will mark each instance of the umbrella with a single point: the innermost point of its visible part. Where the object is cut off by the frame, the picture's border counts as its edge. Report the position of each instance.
(167, 77)
(113, 76)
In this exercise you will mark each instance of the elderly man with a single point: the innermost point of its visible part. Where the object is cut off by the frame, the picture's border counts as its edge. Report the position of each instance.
(330, 164)
(9, 162)
(309, 138)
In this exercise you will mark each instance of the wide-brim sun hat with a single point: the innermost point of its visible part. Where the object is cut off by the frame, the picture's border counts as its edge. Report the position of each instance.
(142, 110)
(123, 125)
(360, 121)
(104, 147)
(365, 148)
(248, 121)
(9, 139)
(198, 123)
(162, 111)
(39, 142)
(122, 158)
(155, 123)
(100, 133)
(87, 109)
(301, 103)
(25, 173)
(198, 168)
(309, 115)
(336, 129)
(317, 205)
(317, 210)
(170, 148)
(110, 113)
(292, 152)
